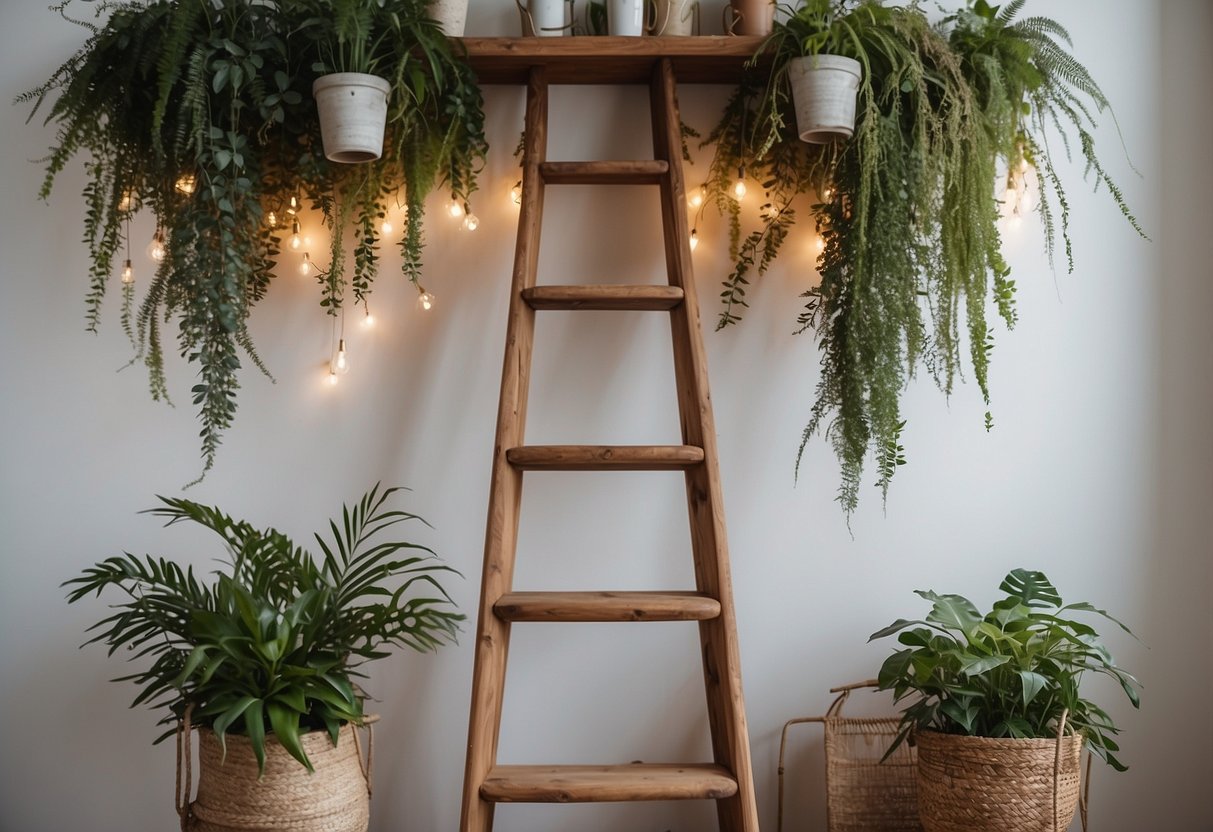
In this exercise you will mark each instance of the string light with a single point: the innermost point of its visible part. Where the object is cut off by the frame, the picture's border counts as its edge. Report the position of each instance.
(820, 244)
(124, 204)
(305, 268)
(368, 320)
(739, 188)
(425, 301)
(272, 220)
(694, 239)
(386, 227)
(186, 184)
(697, 197)
(454, 208)
(333, 377)
(296, 239)
(471, 222)
(827, 194)
(128, 273)
(516, 193)
(156, 249)
(293, 208)
(341, 361)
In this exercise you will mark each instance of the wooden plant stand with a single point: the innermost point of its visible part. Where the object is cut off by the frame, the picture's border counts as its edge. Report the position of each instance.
(728, 778)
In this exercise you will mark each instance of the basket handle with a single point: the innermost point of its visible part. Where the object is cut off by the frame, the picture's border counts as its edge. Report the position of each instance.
(1084, 793)
(783, 744)
(182, 786)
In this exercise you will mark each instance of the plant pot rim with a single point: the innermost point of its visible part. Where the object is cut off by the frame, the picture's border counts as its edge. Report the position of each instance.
(351, 79)
(943, 737)
(825, 60)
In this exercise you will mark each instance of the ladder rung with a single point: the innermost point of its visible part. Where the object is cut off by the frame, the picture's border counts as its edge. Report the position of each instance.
(606, 606)
(603, 784)
(641, 172)
(604, 457)
(650, 298)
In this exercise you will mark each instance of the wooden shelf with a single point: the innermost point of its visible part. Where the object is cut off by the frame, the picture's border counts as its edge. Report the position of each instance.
(707, 59)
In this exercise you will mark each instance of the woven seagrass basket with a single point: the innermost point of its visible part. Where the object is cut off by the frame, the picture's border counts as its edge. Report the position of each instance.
(863, 794)
(286, 798)
(979, 784)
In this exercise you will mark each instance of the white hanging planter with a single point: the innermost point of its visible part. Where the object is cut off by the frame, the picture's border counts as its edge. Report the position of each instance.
(824, 88)
(353, 112)
(452, 16)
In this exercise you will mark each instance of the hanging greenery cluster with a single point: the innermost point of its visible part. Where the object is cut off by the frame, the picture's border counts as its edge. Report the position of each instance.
(907, 209)
(201, 111)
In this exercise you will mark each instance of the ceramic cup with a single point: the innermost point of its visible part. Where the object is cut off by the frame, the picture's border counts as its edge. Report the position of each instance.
(749, 17)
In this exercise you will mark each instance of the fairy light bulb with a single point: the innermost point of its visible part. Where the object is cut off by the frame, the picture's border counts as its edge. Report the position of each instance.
(128, 273)
(696, 199)
(368, 320)
(293, 208)
(471, 222)
(305, 267)
(694, 239)
(827, 194)
(425, 301)
(332, 377)
(1025, 203)
(819, 244)
(1010, 198)
(126, 202)
(386, 227)
(156, 249)
(739, 188)
(516, 194)
(341, 361)
(455, 209)
(271, 220)
(296, 237)
(186, 184)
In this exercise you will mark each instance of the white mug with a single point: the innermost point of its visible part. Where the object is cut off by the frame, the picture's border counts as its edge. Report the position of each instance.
(545, 18)
(625, 17)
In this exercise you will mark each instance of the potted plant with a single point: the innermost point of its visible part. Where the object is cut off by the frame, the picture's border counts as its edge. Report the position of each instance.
(265, 660)
(198, 112)
(906, 215)
(824, 78)
(996, 708)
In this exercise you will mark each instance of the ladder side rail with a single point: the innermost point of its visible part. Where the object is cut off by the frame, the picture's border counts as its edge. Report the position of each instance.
(505, 490)
(718, 636)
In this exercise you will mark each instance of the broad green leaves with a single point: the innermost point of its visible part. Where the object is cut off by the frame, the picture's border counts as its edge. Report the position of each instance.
(1012, 672)
(279, 635)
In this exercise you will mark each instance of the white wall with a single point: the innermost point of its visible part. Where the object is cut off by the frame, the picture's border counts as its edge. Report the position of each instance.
(1098, 471)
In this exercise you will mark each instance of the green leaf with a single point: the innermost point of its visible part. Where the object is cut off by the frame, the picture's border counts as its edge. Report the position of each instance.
(1033, 683)
(285, 723)
(1031, 588)
(952, 611)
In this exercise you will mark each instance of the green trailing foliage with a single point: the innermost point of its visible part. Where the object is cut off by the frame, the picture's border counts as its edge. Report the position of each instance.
(202, 112)
(274, 644)
(1015, 671)
(906, 211)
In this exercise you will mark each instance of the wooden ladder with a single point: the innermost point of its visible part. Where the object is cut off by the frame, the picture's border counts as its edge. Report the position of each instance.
(728, 779)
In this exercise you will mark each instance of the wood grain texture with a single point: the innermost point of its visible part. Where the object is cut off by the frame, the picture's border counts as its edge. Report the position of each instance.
(607, 606)
(705, 501)
(604, 457)
(610, 297)
(609, 172)
(711, 59)
(505, 489)
(605, 784)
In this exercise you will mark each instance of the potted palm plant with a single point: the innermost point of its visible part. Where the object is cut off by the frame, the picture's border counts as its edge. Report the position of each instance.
(996, 708)
(265, 660)
(906, 215)
(198, 112)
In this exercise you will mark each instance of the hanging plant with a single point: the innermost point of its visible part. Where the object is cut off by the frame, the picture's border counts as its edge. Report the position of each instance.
(201, 112)
(906, 213)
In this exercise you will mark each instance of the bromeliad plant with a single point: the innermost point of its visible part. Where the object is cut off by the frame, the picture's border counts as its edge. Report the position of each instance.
(907, 212)
(201, 112)
(275, 643)
(1012, 672)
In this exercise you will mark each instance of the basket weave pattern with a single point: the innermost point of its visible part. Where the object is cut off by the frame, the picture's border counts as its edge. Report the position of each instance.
(979, 784)
(863, 793)
(231, 798)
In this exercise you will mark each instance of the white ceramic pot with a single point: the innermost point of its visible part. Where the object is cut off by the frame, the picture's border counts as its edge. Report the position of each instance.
(675, 17)
(452, 16)
(545, 18)
(625, 17)
(353, 112)
(824, 89)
